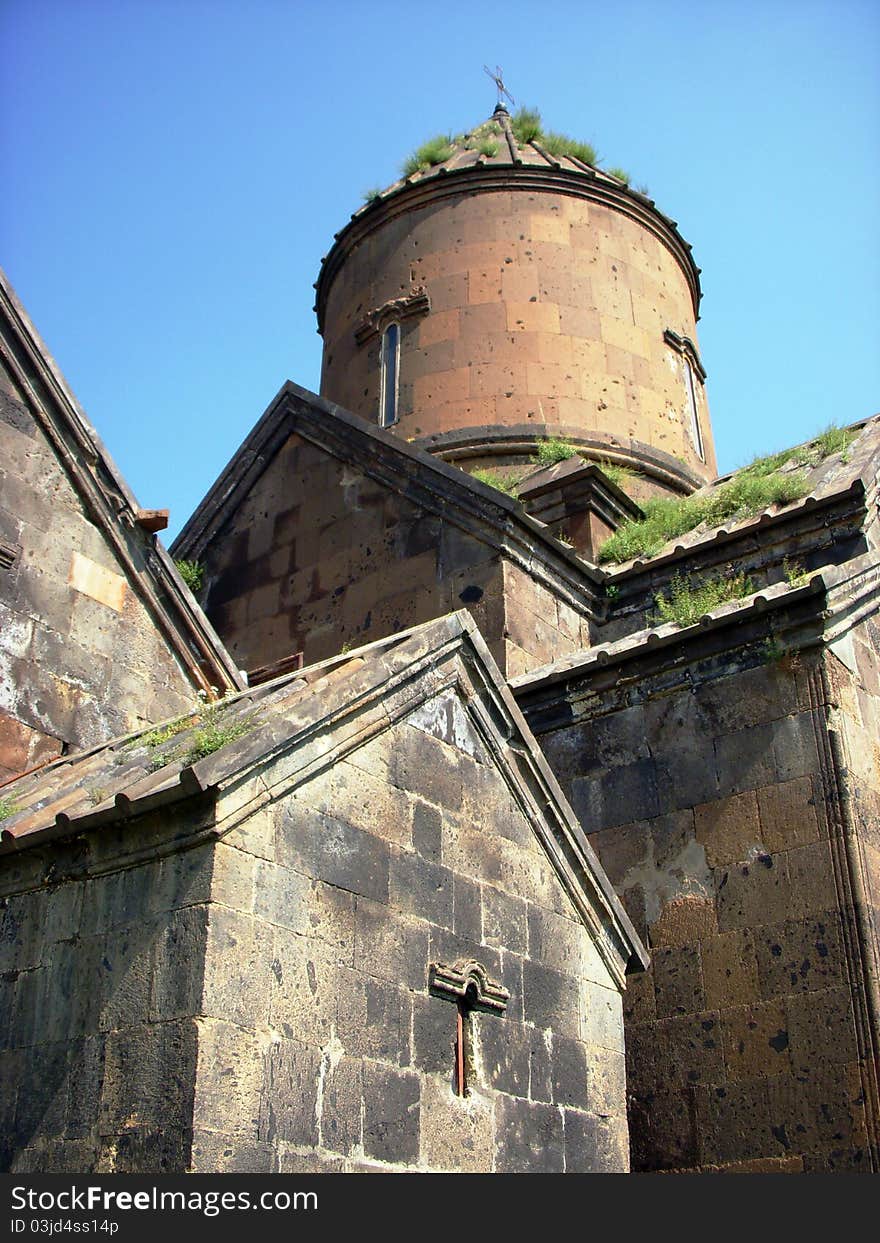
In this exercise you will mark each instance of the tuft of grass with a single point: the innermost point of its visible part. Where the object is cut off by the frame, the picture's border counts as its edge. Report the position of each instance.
(834, 439)
(214, 734)
(488, 147)
(507, 484)
(616, 473)
(192, 574)
(549, 452)
(687, 602)
(667, 518)
(97, 794)
(644, 190)
(372, 194)
(620, 174)
(795, 573)
(526, 125)
(434, 151)
(8, 806)
(561, 144)
(163, 733)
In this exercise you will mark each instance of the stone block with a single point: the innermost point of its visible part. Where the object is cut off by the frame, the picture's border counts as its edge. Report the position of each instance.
(622, 849)
(569, 1073)
(467, 909)
(730, 969)
(373, 1018)
(617, 797)
(216, 1153)
(332, 851)
(745, 760)
(505, 920)
(540, 1064)
(678, 980)
(238, 958)
(794, 747)
(753, 893)
(502, 1054)
(150, 1072)
(456, 1131)
(788, 815)
(177, 961)
(551, 999)
(687, 776)
(639, 1005)
(339, 1105)
(304, 981)
(425, 767)
(685, 920)
(687, 1050)
(421, 888)
(822, 1032)
(434, 1035)
(729, 828)
(799, 956)
(289, 1101)
(755, 1041)
(733, 1120)
(529, 1137)
(595, 1145)
(391, 946)
(426, 830)
(391, 1114)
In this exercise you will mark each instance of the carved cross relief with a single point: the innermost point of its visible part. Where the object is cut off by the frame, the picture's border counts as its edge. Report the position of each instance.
(467, 984)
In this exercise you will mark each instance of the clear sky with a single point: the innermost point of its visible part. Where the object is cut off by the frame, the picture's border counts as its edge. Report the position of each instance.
(174, 170)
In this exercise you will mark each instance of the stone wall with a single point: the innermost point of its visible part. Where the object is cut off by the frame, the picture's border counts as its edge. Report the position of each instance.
(321, 1046)
(244, 984)
(101, 979)
(81, 660)
(319, 556)
(714, 802)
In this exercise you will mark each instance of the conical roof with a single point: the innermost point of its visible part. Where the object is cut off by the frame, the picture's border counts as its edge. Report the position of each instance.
(500, 141)
(504, 152)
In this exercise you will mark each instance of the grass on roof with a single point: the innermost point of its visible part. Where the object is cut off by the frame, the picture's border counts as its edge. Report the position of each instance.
(669, 517)
(549, 452)
(760, 484)
(434, 151)
(686, 602)
(494, 479)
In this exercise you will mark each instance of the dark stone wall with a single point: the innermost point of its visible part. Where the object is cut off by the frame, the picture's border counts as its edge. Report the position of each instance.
(321, 1046)
(81, 660)
(319, 556)
(101, 981)
(713, 800)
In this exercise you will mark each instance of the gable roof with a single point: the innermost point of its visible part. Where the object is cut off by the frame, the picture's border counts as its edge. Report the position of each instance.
(109, 503)
(311, 719)
(438, 488)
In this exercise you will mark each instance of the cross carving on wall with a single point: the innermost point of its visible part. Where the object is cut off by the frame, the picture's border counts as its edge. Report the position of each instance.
(466, 983)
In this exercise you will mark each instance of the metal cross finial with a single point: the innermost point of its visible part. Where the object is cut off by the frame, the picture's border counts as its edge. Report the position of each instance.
(497, 78)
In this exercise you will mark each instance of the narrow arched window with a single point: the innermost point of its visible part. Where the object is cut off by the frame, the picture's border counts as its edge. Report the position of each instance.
(696, 434)
(390, 375)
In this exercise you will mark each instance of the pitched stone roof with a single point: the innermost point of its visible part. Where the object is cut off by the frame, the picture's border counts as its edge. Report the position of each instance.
(312, 718)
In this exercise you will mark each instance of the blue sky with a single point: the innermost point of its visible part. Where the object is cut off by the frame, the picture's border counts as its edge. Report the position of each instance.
(174, 171)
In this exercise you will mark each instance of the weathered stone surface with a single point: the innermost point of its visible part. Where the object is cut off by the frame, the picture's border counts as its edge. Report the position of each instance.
(391, 1114)
(529, 1137)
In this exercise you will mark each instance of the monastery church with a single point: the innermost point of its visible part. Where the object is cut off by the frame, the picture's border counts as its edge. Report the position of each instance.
(481, 783)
